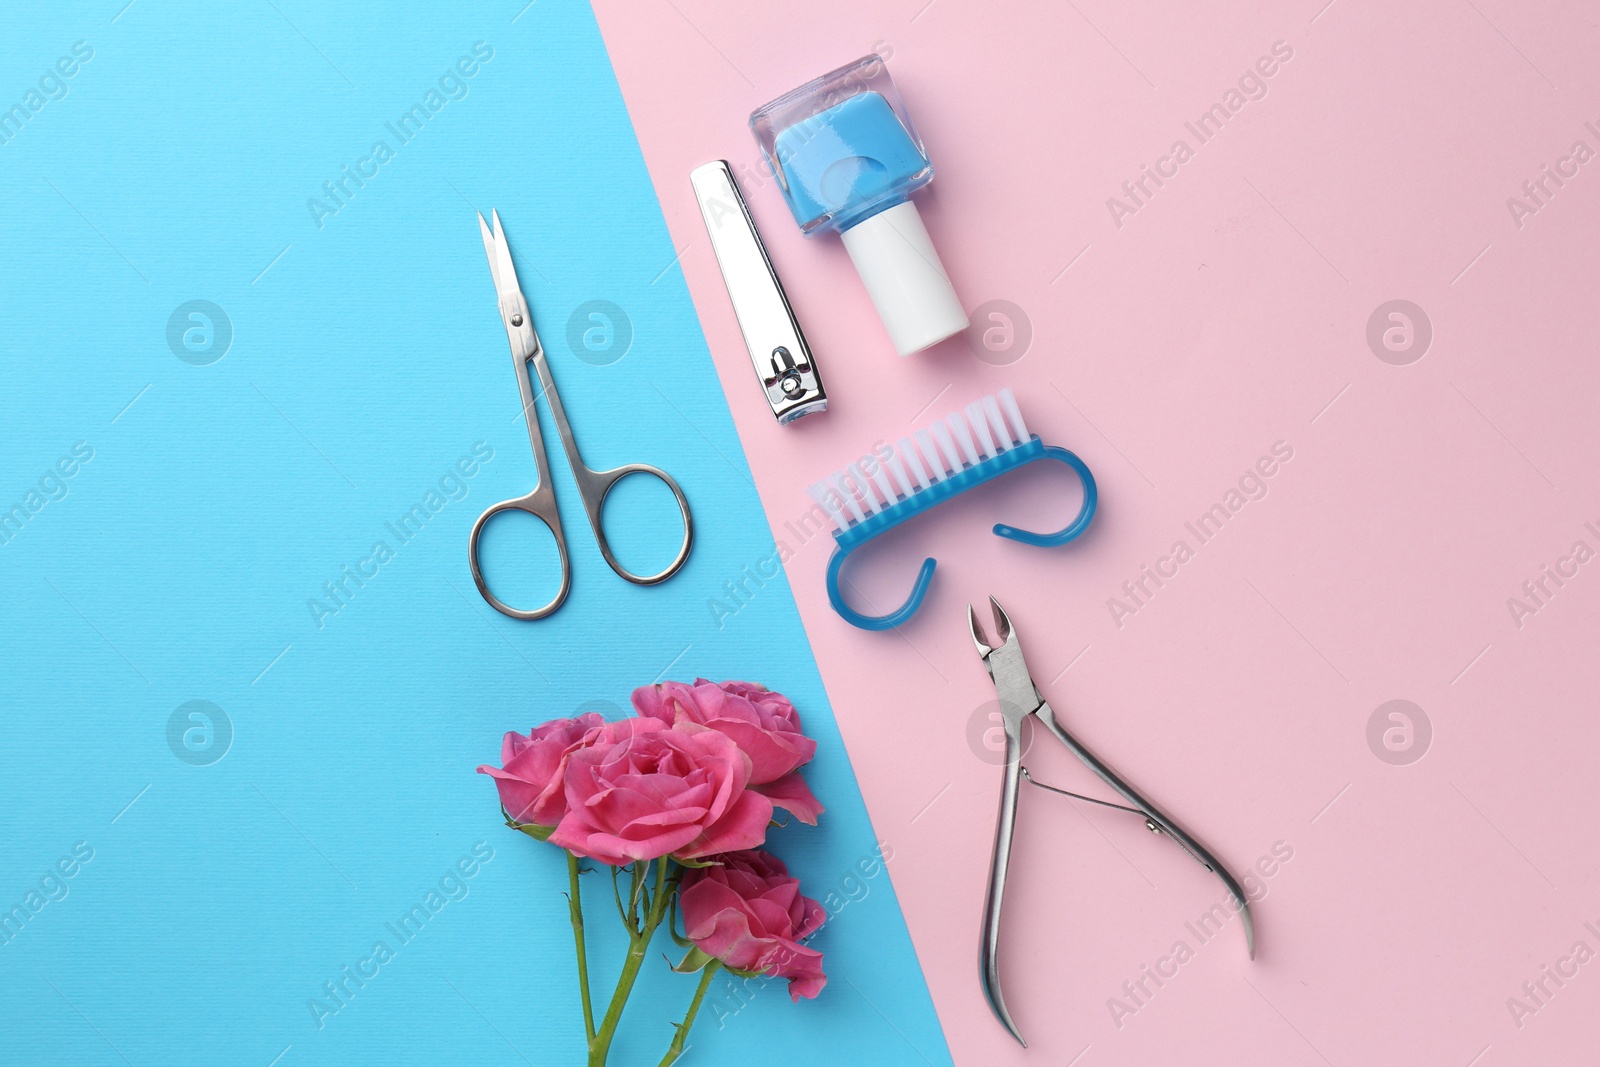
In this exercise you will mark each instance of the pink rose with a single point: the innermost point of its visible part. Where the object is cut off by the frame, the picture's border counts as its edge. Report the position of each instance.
(530, 782)
(764, 724)
(641, 790)
(749, 913)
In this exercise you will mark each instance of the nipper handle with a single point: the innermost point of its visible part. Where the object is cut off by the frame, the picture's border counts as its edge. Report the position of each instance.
(999, 862)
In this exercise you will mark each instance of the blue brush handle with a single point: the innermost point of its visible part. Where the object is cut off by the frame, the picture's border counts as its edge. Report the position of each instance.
(986, 471)
(876, 622)
(1091, 498)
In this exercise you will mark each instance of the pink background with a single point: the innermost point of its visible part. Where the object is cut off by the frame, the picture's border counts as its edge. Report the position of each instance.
(1227, 314)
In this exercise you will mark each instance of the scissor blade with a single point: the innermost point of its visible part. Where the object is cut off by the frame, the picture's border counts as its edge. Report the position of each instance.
(513, 305)
(489, 249)
(505, 274)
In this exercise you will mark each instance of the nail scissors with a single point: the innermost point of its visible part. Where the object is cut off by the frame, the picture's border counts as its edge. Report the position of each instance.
(1020, 698)
(593, 485)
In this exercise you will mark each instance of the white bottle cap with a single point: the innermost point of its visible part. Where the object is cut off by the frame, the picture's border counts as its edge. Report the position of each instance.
(897, 263)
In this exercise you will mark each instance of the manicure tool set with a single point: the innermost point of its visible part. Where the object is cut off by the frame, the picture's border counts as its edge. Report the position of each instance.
(847, 160)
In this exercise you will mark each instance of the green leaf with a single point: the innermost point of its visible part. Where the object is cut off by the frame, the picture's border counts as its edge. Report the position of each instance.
(710, 862)
(533, 830)
(692, 961)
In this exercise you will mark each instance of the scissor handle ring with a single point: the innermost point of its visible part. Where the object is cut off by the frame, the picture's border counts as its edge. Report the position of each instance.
(532, 504)
(599, 486)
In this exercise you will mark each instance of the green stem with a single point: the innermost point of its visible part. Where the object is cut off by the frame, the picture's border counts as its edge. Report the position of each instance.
(575, 906)
(617, 893)
(638, 943)
(637, 874)
(676, 1048)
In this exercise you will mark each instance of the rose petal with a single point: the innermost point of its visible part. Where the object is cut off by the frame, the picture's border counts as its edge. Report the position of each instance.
(744, 826)
(792, 794)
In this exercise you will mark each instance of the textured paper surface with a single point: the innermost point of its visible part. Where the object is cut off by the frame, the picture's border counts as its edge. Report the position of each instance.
(1174, 343)
(343, 373)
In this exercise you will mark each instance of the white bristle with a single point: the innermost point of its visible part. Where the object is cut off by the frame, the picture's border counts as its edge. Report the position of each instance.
(869, 495)
(829, 501)
(997, 422)
(843, 484)
(880, 477)
(930, 455)
(905, 449)
(898, 469)
(1019, 429)
(947, 448)
(889, 476)
(980, 425)
(859, 492)
(963, 434)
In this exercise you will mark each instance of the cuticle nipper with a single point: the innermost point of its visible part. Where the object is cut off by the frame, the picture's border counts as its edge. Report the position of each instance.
(1019, 699)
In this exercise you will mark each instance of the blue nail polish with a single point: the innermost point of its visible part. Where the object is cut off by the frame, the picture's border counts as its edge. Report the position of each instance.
(847, 159)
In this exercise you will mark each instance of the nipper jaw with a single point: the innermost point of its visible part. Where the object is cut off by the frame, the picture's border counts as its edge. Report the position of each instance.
(1019, 697)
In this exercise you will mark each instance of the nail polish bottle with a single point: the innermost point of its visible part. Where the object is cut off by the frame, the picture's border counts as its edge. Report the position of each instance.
(847, 160)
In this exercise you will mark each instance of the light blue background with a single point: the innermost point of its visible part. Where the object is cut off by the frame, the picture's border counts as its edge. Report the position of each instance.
(367, 357)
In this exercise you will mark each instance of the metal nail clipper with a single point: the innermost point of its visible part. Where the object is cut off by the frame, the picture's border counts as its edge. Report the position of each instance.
(778, 349)
(1020, 698)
